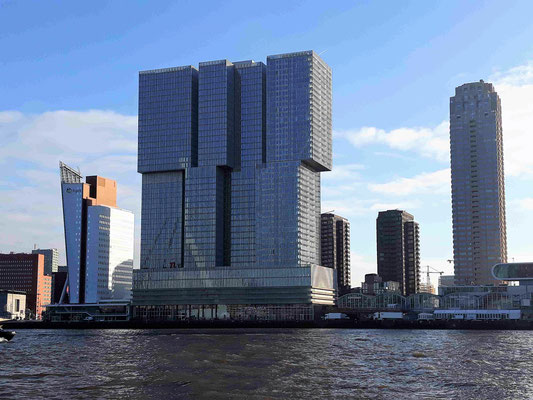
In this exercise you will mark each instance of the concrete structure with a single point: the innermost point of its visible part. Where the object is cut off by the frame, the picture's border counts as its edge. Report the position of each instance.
(478, 192)
(25, 272)
(374, 285)
(98, 238)
(425, 287)
(231, 155)
(12, 304)
(335, 248)
(398, 249)
(51, 260)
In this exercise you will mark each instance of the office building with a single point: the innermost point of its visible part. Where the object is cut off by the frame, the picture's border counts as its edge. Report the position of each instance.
(398, 249)
(98, 238)
(230, 156)
(12, 304)
(335, 248)
(25, 272)
(51, 260)
(446, 280)
(374, 285)
(478, 193)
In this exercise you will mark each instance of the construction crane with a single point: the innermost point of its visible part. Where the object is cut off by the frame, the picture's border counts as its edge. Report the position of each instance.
(435, 271)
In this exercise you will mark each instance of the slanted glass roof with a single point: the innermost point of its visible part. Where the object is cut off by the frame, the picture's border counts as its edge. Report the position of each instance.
(513, 271)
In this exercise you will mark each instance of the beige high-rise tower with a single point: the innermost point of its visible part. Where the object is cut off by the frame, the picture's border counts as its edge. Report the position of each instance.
(478, 192)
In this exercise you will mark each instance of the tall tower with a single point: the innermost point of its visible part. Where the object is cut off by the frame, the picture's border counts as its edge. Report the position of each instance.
(478, 193)
(335, 248)
(98, 239)
(230, 155)
(398, 249)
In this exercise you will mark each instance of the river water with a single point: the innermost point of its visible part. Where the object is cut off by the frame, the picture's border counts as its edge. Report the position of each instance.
(267, 364)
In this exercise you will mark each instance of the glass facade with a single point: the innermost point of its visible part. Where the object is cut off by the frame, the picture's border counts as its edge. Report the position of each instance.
(162, 222)
(513, 271)
(109, 268)
(231, 156)
(168, 119)
(478, 193)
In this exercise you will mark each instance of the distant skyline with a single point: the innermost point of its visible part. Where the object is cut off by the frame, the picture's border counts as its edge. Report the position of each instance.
(69, 78)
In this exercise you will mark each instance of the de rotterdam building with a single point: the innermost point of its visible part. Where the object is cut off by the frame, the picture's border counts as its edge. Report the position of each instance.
(230, 155)
(478, 191)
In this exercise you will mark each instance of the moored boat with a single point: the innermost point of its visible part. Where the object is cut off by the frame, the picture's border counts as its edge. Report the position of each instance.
(8, 335)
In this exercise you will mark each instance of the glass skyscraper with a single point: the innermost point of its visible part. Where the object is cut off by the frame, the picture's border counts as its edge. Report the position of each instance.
(98, 240)
(230, 156)
(478, 193)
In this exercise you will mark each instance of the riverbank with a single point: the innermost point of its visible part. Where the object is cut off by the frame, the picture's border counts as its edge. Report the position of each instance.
(225, 324)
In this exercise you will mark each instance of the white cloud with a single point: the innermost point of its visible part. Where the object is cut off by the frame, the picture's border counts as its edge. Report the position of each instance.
(525, 204)
(361, 265)
(401, 205)
(343, 172)
(7, 117)
(517, 76)
(342, 181)
(432, 182)
(99, 142)
(515, 88)
(346, 206)
(77, 136)
(428, 142)
(354, 207)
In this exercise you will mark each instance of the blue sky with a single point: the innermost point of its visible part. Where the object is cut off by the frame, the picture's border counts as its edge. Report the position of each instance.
(68, 85)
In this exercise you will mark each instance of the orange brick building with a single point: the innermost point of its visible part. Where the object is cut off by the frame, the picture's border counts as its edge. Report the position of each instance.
(25, 272)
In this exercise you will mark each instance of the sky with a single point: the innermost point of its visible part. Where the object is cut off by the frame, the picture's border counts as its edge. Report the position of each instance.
(69, 92)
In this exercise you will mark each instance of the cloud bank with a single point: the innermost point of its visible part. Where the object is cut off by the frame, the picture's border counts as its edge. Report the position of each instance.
(98, 142)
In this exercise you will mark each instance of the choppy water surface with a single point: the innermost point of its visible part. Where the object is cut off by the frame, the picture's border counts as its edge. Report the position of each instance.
(267, 364)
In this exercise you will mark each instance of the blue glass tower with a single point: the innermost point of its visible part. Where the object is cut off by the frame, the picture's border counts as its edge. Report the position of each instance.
(231, 155)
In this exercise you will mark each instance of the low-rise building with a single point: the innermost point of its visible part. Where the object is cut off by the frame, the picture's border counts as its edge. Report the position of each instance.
(374, 285)
(12, 304)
